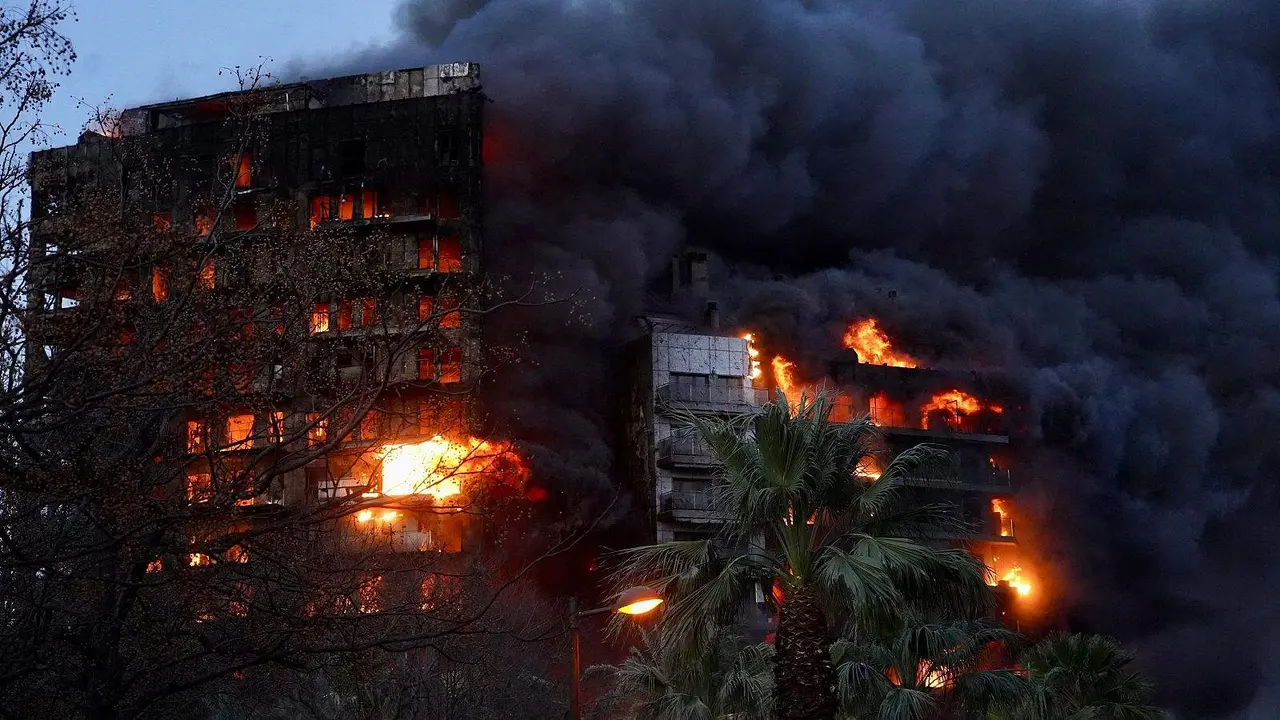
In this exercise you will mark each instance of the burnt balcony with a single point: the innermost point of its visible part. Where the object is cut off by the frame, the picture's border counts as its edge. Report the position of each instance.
(710, 398)
(685, 451)
(962, 472)
(690, 506)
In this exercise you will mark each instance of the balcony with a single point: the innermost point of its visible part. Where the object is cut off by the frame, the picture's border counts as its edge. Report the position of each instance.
(690, 506)
(687, 451)
(710, 398)
(963, 475)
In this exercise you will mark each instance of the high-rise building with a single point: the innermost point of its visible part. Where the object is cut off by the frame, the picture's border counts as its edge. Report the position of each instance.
(389, 164)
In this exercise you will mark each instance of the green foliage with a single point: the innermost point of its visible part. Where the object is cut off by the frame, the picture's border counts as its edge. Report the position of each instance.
(862, 550)
(1081, 676)
(728, 679)
(924, 670)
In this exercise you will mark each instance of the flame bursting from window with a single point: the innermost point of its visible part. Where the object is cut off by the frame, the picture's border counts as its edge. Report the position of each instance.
(753, 356)
(1006, 522)
(954, 409)
(873, 346)
(440, 467)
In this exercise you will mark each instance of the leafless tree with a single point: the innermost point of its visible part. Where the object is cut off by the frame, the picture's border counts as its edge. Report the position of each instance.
(209, 425)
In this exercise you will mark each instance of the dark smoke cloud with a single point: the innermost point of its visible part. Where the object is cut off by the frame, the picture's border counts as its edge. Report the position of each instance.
(1083, 193)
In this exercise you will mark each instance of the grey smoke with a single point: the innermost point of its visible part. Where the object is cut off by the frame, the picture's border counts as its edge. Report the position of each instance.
(1082, 193)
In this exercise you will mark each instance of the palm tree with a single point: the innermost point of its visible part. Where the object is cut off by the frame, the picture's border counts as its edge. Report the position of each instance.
(1082, 676)
(839, 547)
(926, 670)
(729, 679)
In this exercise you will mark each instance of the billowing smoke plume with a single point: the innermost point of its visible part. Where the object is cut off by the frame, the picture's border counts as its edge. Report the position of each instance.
(1084, 192)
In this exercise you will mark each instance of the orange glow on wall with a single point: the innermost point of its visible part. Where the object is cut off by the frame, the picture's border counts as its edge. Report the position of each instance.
(873, 346)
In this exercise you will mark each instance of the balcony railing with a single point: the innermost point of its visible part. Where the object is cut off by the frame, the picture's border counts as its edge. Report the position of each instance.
(690, 505)
(685, 451)
(962, 473)
(724, 398)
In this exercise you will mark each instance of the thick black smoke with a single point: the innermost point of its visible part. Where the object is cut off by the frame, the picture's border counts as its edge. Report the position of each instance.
(1084, 192)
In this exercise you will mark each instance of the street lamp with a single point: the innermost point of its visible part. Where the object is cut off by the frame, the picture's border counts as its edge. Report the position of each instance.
(636, 601)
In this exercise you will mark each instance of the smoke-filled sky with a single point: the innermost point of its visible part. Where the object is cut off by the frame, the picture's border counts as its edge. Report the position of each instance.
(1085, 193)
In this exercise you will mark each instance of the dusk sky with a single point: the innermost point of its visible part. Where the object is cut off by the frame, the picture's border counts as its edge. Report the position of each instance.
(133, 52)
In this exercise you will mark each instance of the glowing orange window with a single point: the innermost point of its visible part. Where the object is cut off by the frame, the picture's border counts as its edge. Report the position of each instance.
(319, 318)
(370, 425)
(369, 594)
(244, 170)
(160, 283)
(368, 203)
(426, 364)
(317, 429)
(204, 221)
(452, 317)
(424, 308)
(195, 436)
(207, 276)
(344, 315)
(346, 206)
(199, 487)
(319, 210)
(239, 430)
(451, 366)
(163, 221)
(277, 426)
(450, 254)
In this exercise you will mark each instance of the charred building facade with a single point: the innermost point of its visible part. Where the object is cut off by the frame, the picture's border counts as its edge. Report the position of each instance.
(336, 385)
(677, 366)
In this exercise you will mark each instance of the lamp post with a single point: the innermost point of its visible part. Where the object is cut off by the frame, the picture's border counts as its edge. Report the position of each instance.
(636, 601)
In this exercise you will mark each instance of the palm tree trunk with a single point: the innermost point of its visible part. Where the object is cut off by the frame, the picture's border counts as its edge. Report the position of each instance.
(805, 679)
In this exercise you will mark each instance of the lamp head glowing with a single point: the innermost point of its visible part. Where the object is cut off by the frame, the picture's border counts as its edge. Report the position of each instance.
(638, 601)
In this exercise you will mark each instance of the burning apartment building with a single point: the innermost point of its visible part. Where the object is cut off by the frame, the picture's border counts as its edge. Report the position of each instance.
(680, 366)
(319, 243)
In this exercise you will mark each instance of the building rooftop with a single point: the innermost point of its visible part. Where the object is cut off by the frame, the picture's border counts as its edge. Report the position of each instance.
(385, 86)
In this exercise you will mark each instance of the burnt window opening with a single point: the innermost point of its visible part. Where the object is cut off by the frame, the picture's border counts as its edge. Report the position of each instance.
(448, 147)
(246, 215)
(351, 157)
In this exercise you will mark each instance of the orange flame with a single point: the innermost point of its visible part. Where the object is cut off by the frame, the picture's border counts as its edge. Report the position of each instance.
(954, 408)
(873, 346)
(753, 354)
(438, 467)
(1011, 571)
(869, 468)
(1006, 522)
(784, 378)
